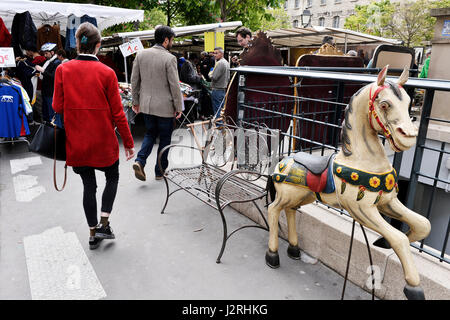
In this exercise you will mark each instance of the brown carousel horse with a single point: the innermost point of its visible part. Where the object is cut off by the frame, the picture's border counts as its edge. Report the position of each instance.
(359, 178)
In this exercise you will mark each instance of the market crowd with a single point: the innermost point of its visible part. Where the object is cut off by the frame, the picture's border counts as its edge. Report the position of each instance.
(64, 80)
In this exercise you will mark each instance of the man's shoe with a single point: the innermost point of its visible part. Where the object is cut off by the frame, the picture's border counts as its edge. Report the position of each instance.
(139, 171)
(158, 177)
(94, 242)
(104, 232)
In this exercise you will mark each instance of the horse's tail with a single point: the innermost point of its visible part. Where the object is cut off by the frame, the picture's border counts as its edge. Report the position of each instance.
(270, 187)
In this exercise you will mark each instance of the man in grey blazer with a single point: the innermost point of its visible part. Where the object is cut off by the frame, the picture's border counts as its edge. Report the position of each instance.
(156, 93)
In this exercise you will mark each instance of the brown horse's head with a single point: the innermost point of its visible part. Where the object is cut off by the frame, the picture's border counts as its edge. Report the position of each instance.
(388, 111)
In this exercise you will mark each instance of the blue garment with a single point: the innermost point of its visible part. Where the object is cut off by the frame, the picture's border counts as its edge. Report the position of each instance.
(217, 97)
(73, 23)
(156, 126)
(13, 121)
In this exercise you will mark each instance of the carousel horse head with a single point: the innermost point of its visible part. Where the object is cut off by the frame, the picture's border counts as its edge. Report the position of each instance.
(388, 111)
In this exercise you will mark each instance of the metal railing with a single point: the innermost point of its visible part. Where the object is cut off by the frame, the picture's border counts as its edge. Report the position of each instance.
(310, 121)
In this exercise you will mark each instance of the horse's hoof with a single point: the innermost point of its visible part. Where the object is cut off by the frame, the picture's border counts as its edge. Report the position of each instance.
(414, 293)
(272, 259)
(293, 252)
(382, 243)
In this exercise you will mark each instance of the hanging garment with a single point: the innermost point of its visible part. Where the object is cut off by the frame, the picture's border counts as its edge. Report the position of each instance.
(26, 99)
(48, 33)
(73, 23)
(5, 36)
(25, 71)
(13, 122)
(24, 33)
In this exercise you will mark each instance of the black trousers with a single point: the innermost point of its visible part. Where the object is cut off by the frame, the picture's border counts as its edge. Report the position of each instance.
(90, 190)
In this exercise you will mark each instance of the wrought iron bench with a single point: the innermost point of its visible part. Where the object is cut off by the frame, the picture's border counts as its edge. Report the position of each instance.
(213, 185)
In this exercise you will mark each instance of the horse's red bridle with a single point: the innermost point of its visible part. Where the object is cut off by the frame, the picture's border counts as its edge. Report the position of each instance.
(373, 113)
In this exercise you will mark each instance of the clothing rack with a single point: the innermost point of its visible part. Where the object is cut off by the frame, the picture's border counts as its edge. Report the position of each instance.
(14, 140)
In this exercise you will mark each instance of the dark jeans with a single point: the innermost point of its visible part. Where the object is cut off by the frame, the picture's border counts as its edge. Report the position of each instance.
(156, 126)
(47, 110)
(90, 190)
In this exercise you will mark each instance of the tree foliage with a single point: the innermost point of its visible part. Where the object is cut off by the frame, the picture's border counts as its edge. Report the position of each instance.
(408, 21)
(278, 19)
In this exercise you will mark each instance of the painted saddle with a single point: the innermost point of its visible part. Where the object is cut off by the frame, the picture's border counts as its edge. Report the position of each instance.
(310, 171)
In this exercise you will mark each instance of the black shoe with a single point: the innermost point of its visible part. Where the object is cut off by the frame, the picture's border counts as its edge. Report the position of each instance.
(104, 232)
(94, 243)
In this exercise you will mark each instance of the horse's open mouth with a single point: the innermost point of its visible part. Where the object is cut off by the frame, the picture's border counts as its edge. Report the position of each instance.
(394, 146)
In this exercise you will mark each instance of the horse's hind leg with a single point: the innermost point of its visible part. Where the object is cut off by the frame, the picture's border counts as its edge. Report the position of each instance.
(419, 225)
(371, 218)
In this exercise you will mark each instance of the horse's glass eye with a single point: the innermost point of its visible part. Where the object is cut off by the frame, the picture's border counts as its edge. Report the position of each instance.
(384, 105)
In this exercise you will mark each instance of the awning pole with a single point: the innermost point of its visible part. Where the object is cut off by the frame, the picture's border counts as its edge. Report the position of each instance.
(345, 46)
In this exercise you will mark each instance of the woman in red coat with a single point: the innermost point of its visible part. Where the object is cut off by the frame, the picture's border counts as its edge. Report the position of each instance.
(87, 94)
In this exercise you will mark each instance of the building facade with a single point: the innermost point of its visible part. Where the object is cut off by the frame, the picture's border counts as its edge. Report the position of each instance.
(326, 13)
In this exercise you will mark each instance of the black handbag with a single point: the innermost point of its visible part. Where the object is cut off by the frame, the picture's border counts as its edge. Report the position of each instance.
(50, 142)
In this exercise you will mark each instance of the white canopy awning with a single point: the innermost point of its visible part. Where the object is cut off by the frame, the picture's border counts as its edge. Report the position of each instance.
(312, 36)
(179, 32)
(49, 12)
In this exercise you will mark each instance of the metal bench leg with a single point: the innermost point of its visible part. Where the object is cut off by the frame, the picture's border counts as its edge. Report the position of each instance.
(167, 196)
(225, 235)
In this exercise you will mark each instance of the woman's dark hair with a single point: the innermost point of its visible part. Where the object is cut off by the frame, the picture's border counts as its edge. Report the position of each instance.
(244, 32)
(163, 32)
(87, 38)
(61, 53)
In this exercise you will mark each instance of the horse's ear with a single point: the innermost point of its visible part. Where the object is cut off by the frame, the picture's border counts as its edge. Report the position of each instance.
(403, 77)
(382, 76)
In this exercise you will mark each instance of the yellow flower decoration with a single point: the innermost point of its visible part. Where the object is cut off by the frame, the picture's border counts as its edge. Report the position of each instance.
(354, 176)
(277, 178)
(390, 181)
(374, 182)
(339, 169)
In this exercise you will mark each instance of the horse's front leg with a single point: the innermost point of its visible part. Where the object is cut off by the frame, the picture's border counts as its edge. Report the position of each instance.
(274, 210)
(420, 226)
(369, 216)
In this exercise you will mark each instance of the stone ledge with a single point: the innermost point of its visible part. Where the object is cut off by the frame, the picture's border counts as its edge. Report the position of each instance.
(438, 132)
(325, 235)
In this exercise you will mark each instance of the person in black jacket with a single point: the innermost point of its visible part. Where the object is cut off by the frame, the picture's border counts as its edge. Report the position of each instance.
(48, 81)
(189, 75)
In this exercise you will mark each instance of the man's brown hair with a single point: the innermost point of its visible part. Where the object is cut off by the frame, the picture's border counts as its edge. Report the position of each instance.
(244, 32)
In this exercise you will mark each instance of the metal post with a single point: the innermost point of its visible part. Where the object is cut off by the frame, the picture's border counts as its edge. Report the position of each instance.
(418, 154)
(240, 98)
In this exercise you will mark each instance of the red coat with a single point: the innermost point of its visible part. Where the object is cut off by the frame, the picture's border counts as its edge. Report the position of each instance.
(87, 92)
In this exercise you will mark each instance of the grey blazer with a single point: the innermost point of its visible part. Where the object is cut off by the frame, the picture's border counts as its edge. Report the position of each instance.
(154, 82)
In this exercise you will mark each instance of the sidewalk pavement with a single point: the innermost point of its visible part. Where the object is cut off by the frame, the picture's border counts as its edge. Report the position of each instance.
(44, 252)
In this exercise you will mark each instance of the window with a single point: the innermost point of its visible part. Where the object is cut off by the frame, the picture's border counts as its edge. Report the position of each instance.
(309, 3)
(336, 22)
(337, 1)
(285, 4)
(295, 23)
(297, 4)
(322, 21)
(323, 2)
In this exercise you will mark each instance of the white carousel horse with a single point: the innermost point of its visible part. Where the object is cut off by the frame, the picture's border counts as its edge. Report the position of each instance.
(359, 178)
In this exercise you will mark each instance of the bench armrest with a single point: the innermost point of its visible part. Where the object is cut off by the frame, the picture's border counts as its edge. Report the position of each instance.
(250, 193)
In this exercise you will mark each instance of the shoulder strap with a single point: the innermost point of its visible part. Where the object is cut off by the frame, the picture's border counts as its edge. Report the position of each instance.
(54, 170)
